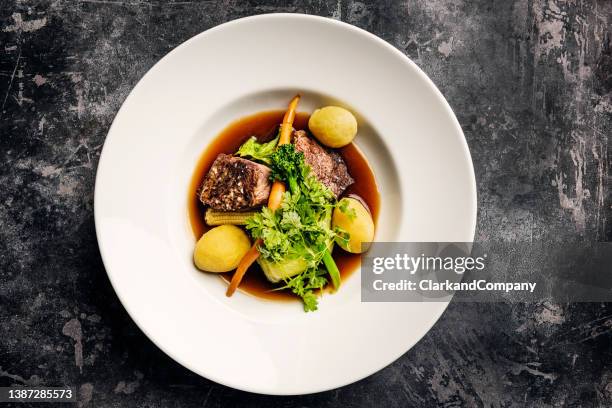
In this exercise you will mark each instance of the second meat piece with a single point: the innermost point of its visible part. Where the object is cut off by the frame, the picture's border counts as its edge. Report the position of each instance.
(327, 165)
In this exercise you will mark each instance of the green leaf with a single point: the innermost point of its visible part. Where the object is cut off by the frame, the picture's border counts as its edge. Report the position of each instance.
(260, 152)
(311, 303)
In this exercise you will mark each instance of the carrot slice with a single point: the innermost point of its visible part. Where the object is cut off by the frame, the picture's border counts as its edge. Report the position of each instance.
(274, 200)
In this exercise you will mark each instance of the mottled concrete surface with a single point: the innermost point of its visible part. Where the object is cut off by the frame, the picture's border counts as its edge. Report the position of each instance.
(530, 82)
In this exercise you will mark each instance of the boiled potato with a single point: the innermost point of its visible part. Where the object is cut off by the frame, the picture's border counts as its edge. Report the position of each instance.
(221, 249)
(357, 221)
(333, 126)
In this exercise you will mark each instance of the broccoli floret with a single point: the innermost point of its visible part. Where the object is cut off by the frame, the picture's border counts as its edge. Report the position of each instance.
(288, 166)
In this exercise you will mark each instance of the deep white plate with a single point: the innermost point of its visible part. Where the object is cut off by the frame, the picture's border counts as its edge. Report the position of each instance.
(408, 132)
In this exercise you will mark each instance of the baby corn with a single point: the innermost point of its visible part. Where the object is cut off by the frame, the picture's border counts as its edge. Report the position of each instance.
(214, 217)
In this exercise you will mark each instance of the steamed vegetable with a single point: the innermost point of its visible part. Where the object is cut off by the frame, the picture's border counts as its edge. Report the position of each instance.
(278, 271)
(261, 152)
(333, 126)
(216, 217)
(276, 193)
(299, 230)
(221, 249)
(284, 138)
(288, 165)
(353, 224)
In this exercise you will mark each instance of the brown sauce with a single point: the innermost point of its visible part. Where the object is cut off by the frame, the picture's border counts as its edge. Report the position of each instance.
(264, 125)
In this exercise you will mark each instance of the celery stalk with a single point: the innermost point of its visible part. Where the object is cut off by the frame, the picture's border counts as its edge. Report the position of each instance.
(332, 268)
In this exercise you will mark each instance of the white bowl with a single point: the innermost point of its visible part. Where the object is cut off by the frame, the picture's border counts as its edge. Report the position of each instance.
(408, 132)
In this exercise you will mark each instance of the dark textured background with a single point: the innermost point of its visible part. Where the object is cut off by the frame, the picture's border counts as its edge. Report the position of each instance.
(530, 82)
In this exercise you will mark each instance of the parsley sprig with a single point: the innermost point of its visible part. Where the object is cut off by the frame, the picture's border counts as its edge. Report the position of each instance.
(301, 227)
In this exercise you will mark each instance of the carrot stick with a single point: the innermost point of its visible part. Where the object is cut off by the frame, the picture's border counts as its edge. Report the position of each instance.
(274, 200)
(246, 261)
(287, 125)
(276, 195)
(278, 188)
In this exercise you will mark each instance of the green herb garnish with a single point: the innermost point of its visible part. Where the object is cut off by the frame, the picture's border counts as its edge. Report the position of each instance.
(299, 232)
